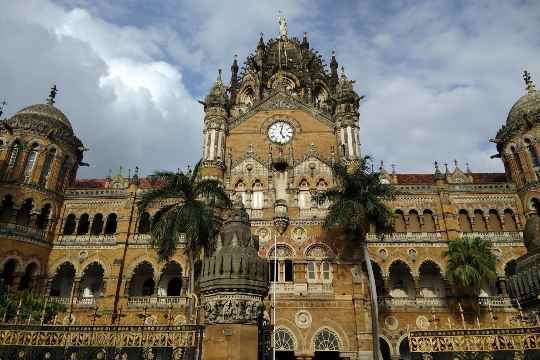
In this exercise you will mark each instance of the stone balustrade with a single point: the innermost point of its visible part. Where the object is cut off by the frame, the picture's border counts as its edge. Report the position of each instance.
(87, 239)
(313, 213)
(505, 236)
(406, 237)
(157, 301)
(389, 302)
(301, 288)
(23, 231)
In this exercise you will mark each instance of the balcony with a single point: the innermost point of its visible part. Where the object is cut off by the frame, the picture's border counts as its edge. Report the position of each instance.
(495, 301)
(23, 231)
(141, 239)
(506, 236)
(101, 239)
(301, 289)
(157, 301)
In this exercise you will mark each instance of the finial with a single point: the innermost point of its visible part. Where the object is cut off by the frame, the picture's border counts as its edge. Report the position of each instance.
(109, 176)
(467, 168)
(52, 95)
(529, 84)
(282, 25)
(455, 163)
(381, 166)
(436, 163)
(305, 35)
(393, 169)
(120, 169)
(333, 53)
(446, 168)
(219, 76)
(129, 174)
(189, 169)
(2, 106)
(136, 172)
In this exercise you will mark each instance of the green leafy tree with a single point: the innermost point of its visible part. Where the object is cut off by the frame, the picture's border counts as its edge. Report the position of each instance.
(356, 203)
(192, 215)
(30, 305)
(471, 267)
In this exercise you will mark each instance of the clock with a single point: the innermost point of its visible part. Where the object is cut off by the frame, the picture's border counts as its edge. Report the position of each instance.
(280, 132)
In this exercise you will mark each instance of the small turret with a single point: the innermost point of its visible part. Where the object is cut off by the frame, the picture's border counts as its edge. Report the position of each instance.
(333, 70)
(305, 43)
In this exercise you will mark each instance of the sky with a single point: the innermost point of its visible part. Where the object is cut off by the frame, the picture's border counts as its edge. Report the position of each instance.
(439, 77)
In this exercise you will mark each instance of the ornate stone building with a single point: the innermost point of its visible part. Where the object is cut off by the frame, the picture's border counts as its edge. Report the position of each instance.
(271, 136)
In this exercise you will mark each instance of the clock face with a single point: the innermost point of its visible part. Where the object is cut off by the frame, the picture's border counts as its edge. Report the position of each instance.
(280, 132)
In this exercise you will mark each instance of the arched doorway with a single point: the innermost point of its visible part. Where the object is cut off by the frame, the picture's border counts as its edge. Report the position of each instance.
(27, 280)
(170, 283)
(8, 274)
(142, 283)
(92, 281)
(326, 345)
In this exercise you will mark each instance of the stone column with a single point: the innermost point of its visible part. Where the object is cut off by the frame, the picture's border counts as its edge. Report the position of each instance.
(502, 283)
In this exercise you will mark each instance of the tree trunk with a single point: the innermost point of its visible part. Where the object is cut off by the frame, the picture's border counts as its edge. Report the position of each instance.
(374, 303)
(191, 285)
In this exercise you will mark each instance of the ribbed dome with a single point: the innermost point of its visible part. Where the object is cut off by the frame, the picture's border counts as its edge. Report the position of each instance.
(46, 111)
(527, 104)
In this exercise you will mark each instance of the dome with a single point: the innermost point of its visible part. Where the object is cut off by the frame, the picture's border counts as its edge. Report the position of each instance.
(46, 111)
(527, 104)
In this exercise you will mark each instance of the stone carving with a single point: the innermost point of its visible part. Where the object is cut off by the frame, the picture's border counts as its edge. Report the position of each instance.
(317, 251)
(422, 322)
(264, 234)
(391, 323)
(232, 310)
(303, 319)
(531, 235)
(299, 234)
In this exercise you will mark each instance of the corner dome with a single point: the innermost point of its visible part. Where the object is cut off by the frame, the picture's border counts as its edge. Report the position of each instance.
(46, 111)
(528, 104)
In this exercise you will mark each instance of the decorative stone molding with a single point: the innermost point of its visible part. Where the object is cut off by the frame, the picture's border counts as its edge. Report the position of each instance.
(231, 308)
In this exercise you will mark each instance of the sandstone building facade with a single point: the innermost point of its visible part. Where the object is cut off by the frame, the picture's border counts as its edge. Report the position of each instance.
(271, 136)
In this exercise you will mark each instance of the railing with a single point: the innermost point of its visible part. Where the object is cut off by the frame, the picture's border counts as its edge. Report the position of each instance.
(84, 301)
(313, 213)
(141, 239)
(506, 236)
(282, 288)
(60, 300)
(87, 239)
(21, 230)
(406, 237)
(157, 301)
(255, 213)
(301, 288)
(320, 288)
(493, 301)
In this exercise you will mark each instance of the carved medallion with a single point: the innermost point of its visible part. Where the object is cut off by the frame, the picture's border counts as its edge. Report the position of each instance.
(391, 323)
(303, 319)
(422, 322)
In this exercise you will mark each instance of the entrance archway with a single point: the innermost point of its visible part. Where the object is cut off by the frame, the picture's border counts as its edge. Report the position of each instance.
(326, 345)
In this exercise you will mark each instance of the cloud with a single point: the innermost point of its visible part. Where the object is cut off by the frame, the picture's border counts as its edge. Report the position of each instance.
(439, 77)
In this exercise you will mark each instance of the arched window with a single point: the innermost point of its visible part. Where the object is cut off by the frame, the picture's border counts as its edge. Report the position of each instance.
(43, 217)
(325, 271)
(401, 281)
(142, 282)
(92, 281)
(429, 222)
(479, 221)
(144, 223)
(8, 273)
(284, 340)
(258, 195)
(284, 264)
(62, 173)
(63, 280)
(44, 176)
(532, 153)
(431, 281)
(304, 196)
(240, 190)
(29, 276)
(247, 97)
(110, 225)
(84, 225)
(509, 220)
(170, 282)
(23, 215)
(70, 224)
(399, 222)
(312, 272)
(414, 221)
(30, 161)
(377, 273)
(15, 150)
(384, 348)
(494, 223)
(326, 340)
(97, 224)
(322, 185)
(464, 221)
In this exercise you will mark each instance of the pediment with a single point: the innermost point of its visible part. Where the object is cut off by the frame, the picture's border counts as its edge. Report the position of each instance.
(459, 177)
(280, 100)
(250, 166)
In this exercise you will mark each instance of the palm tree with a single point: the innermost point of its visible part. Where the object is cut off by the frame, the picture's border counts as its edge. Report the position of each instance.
(192, 215)
(356, 204)
(471, 267)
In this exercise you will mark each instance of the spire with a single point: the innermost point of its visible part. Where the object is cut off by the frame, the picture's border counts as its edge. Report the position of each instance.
(333, 70)
(234, 70)
(305, 42)
(529, 84)
(52, 95)
(438, 174)
(260, 45)
(219, 80)
(2, 106)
